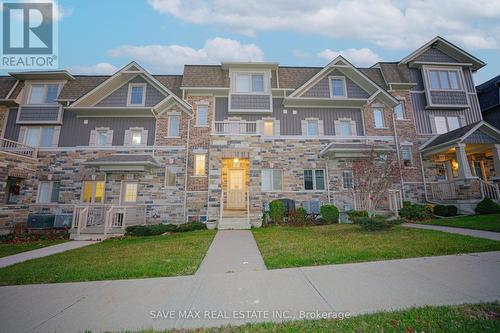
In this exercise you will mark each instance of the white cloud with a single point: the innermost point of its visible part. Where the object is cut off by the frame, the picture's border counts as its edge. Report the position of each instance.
(300, 53)
(100, 68)
(59, 11)
(358, 57)
(172, 58)
(395, 24)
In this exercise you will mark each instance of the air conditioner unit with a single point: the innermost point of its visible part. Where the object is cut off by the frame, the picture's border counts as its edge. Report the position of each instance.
(41, 221)
(63, 221)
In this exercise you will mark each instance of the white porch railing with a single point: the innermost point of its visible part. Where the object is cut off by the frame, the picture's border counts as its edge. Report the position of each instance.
(471, 189)
(108, 217)
(490, 190)
(235, 127)
(17, 148)
(442, 191)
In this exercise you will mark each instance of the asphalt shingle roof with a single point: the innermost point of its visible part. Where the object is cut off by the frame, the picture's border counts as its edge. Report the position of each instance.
(452, 135)
(6, 84)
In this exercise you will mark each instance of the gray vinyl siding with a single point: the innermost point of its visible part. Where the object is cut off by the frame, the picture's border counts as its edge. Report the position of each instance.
(12, 128)
(75, 133)
(39, 113)
(492, 116)
(469, 80)
(250, 102)
(322, 88)
(435, 55)
(480, 137)
(416, 77)
(290, 124)
(473, 114)
(448, 97)
(119, 96)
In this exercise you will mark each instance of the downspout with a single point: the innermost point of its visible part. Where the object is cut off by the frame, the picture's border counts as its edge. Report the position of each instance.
(423, 177)
(186, 168)
(327, 182)
(398, 153)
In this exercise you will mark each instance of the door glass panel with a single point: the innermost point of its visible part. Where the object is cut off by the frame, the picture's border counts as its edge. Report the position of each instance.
(130, 192)
(99, 192)
(236, 182)
(88, 188)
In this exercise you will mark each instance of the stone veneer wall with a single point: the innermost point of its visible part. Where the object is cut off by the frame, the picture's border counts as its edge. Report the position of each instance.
(4, 112)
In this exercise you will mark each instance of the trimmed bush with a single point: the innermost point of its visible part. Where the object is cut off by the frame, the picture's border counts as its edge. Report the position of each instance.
(329, 213)
(487, 206)
(354, 214)
(276, 211)
(191, 226)
(411, 211)
(158, 229)
(298, 217)
(445, 210)
(376, 223)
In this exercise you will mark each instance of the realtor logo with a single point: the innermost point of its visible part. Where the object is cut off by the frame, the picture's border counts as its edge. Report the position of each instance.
(29, 39)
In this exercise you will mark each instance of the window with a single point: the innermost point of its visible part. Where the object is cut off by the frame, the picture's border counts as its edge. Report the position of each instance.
(173, 126)
(199, 164)
(314, 180)
(444, 79)
(271, 180)
(170, 176)
(136, 94)
(102, 138)
(32, 136)
(312, 128)
(48, 192)
(129, 192)
(202, 115)
(136, 137)
(338, 87)
(268, 127)
(13, 190)
(399, 110)
(347, 180)
(406, 155)
(378, 116)
(93, 191)
(250, 83)
(43, 94)
(47, 136)
(441, 172)
(446, 124)
(345, 128)
(37, 136)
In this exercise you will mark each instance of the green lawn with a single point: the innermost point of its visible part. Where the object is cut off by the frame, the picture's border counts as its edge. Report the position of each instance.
(479, 222)
(469, 318)
(340, 243)
(127, 258)
(8, 249)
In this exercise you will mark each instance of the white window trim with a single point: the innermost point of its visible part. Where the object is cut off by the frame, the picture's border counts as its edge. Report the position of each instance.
(101, 130)
(314, 180)
(316, 120)
(129, 93)
(166, 176)
(409, 147)
(330, 79)
(444, 69)
(208, 112)
(204, 166)
(178, 115)
(51, 188)
(123, 192)
(92, 200)
(383, 120)
(46, 84)
(234, 85)
(447, 123)
(352, 177)
(39, 139)
(272, 180)
(402, 103)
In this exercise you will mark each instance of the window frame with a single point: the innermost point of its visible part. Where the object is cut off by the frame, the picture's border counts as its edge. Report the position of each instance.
(169, 129)
(267, 121)
(123, 193)
(344, 86)
(271, 179)
(196, 172)
(410, 155)
(315, 180)
(344, 172)
(348, 122)
(251, 91)
(403, 110)
(129, 93)
(203, 106)
(94, 188)
(50, 191)
(446, 123)
(40, 130)
(170, 170)
(45, 92)
(98, 133)
(438, 72)
(309, 121)
(374, 110)
(135, 131)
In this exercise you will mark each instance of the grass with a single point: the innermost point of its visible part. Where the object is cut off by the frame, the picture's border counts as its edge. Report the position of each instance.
(467, 318)
(283, 247)
(126, 258)
(8, 249)
(479, 222)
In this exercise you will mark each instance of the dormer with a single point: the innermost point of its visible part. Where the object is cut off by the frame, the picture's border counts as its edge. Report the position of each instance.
(250, 87)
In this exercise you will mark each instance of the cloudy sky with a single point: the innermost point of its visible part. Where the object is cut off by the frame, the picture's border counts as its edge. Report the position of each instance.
(163, 35)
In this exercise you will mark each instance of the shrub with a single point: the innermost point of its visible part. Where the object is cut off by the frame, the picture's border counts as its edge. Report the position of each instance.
(487, 206)
(150, 230)
(376, 223)
(191, 226)
(354, 214)
(411, 211)
(276, 211)
(329, 213)
(298, 217)
(445, 210)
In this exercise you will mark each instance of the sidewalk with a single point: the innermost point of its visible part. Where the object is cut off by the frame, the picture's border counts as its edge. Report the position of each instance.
(453, 230)
(355, 288)
(43, 252)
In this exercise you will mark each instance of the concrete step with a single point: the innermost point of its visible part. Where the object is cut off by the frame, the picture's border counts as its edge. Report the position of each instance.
(234, 223)
(234, 226)
(95, 234)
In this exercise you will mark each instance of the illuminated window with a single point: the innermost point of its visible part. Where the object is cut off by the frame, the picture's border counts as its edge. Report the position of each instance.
(130, 192)
(268, 127)
(199, 165)
(93, 191)
(170, 176)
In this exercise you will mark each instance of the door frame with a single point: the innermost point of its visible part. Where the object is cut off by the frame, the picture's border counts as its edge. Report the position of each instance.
(244, 187)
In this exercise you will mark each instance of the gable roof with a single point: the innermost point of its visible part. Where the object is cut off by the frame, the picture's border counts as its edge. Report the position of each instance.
(6, 85)
(449, 49)
(493, 81)
(394, 73)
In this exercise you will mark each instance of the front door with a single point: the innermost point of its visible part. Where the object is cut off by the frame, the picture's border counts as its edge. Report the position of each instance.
(236, 185)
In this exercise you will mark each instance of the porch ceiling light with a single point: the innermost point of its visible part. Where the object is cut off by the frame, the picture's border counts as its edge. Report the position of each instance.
(236, 162)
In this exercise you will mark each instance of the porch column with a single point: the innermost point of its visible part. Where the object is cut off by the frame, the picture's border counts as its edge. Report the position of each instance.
(449, 171)
(496, 161)
(464, 171)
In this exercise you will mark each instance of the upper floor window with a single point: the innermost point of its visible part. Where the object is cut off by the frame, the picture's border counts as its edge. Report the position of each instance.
(137, 94)
(314, 180)
(312, 128)
(102, 138)
(43, 94)
(338, 88)
(173, 126)
(36, 136)
(446, 124)
(136, 137)
(250, 83)
(444, 79)
(378, 116)
(345, 128)
(202, 115)
(48, 192)
(399, 110)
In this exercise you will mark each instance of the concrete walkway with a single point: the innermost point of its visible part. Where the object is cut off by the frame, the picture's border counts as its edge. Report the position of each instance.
(43, 252)
(453, 230)
(232, 251)
(355, 288)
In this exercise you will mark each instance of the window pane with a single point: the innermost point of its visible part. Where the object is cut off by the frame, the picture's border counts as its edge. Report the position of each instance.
(257, 83)
(320, 179)
(37, 95)
(88, 188)
(443, 80)
(347, 179)
(54, 197)
(399, 110)
(440, 125)
(43, 196)
(434, 79)
(453, 123)
(130, 194)
(170, 176)
(312, 127)
(136, 95)
(99, 192)
(268, 127)
(454, 80)
(379, 117)
(202, 115)
(199, 165)
(52, 90)
(345, 128)
(47, 135)
(173, 126)
(266, 180)
(136, 138)
(32, 137)
(337, 87)
(243, 83)
(102, 138)
(277, 180)
(308, 180)
(406, 153)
